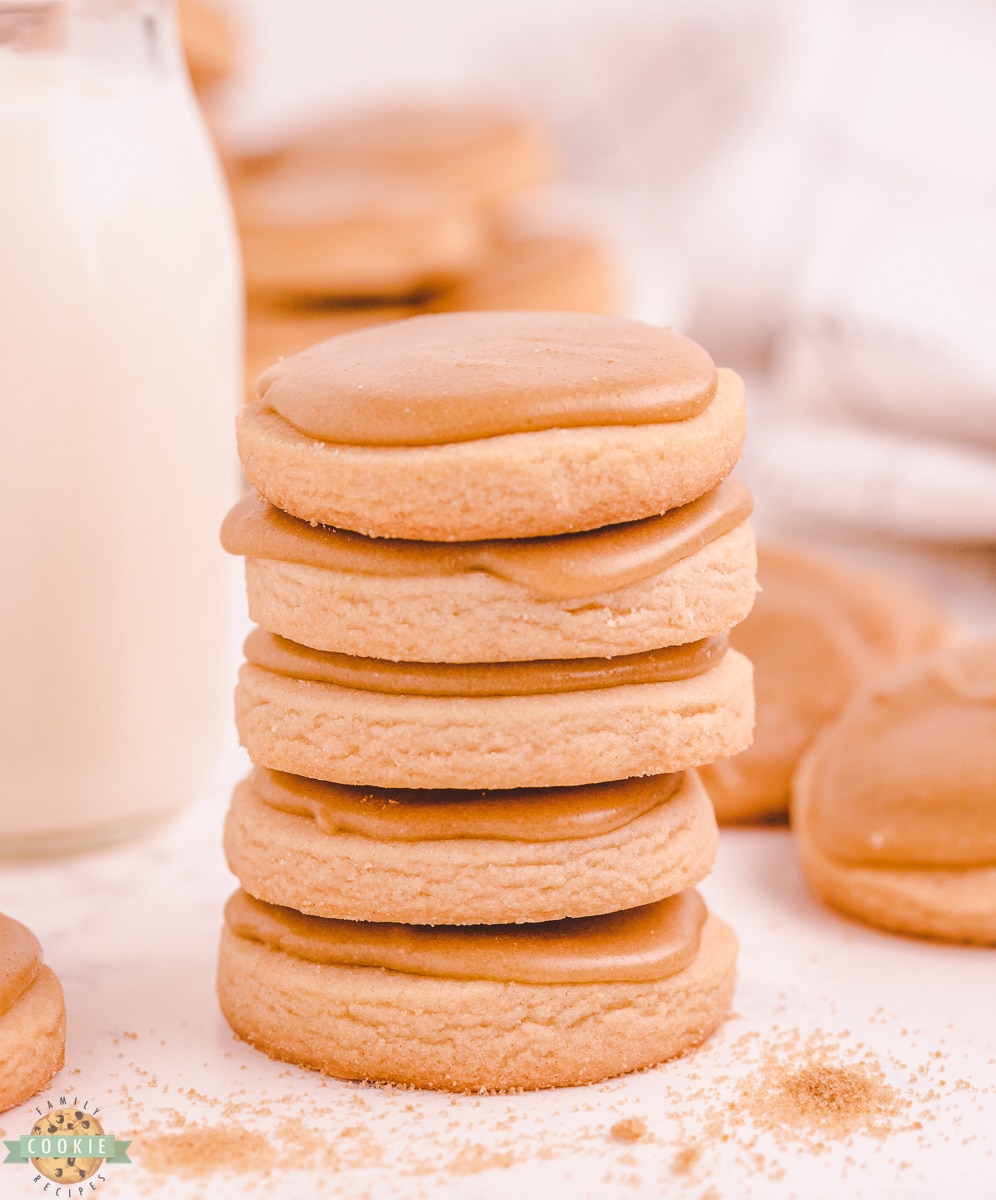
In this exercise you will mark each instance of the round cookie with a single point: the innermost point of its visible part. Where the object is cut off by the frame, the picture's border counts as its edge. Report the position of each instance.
(210, 41)
(475, 1034)
(466, 858)
(818, 630)
(676, 578)
(894, 804)
(311, 232)
(32, 1016)
(554, 271)
(490, 725)
(486, 153)
(462, 426)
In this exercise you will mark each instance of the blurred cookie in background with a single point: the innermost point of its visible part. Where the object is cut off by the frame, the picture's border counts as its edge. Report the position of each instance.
(312, 231)
(486, 152)
(819, 630)
(568, 272)
(210, 40)
(894, 804)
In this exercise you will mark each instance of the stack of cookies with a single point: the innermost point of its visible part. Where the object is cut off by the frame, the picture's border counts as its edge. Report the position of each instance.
(402, 209)
(494, 558)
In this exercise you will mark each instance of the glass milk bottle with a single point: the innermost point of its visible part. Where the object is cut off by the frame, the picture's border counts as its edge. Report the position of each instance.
(120, 361)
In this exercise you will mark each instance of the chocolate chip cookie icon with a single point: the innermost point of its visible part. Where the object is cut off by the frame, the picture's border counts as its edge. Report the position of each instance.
(65, 1125)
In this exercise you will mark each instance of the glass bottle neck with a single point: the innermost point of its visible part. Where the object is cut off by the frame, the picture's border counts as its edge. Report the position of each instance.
(113, 37)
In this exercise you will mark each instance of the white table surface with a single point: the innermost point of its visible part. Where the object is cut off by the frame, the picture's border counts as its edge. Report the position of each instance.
(132, 932)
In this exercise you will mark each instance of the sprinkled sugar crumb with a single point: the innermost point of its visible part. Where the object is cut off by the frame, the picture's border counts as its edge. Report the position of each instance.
(754, 1104)
(204, 1149)
(629, 1129)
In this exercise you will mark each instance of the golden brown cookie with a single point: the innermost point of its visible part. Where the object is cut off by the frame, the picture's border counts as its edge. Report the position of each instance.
(894, 804)
(485, 152)
(818, 630)
(32, 1016)
(558, 271)
(311, 232)
(210, 41)
(473, 857)
(490, 725)
(481, 1007)
(679, 577)
(462, 426)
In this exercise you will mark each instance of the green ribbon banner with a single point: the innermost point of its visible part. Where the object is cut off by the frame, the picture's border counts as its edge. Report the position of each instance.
(32, 1145)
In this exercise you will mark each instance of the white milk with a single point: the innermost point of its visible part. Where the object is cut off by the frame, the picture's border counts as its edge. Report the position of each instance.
(120, 365)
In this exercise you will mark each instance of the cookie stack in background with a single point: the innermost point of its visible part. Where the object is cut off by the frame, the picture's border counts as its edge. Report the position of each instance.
(494, 558)
(404, 209)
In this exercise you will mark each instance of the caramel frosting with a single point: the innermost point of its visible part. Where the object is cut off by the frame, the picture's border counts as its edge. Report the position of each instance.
(907, 775)
(541, 677)
(20, 961)
(455, 377)
(416, 815)
(569, 567)
(635, 946)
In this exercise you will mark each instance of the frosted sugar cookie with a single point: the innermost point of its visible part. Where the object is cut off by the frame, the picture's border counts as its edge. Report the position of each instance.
(310, 232)
(463, 426)
(558, 271)
(894, 804)
(32, 1016)
(490, 725)
(477, 1007)
(210, 41)
(679, 577)
(468, 857)
(819, 629)
(485, 152)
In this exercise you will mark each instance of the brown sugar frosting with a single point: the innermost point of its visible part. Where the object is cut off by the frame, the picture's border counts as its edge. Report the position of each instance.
(637, 945)
(20, 961)
(542, 677)
(819, 630)
(518, 814)
(568, 567)
(907, 775)
(456, 377)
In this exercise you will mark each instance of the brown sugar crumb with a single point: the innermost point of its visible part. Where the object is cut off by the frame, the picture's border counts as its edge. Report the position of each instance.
(204, 1149)
(629, 1129)
(686, 1159)
(826, 1098)
(472, 1159)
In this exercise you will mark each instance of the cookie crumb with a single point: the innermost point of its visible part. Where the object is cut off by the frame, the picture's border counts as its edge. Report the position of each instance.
(827, 1099)
(204, 1149)
(629, 1129)
(686, 1159)
(472, 1159)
